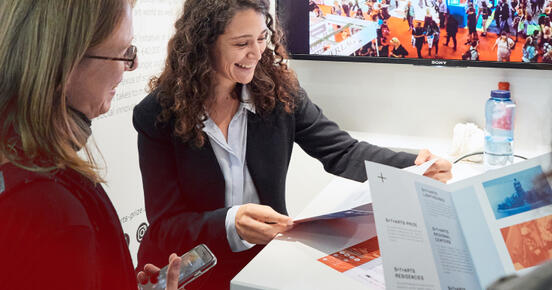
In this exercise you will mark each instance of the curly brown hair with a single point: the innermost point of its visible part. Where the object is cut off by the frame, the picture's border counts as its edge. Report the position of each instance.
(185, 85)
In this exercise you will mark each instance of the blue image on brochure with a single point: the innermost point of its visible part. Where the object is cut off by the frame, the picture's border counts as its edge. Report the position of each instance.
(519, 192)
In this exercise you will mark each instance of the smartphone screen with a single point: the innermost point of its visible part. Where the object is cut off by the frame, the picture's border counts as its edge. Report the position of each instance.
(194, 263)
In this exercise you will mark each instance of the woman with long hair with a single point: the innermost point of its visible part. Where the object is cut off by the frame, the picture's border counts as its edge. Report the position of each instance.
(216, 133)
(60, 62)
(433, 33)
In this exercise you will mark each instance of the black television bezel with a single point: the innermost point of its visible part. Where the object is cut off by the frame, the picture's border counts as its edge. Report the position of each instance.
(413, 61)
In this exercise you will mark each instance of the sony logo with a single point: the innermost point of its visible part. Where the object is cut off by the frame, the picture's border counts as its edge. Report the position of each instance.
(439, 62)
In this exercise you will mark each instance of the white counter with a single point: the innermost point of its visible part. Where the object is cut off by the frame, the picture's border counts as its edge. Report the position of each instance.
(290, 261)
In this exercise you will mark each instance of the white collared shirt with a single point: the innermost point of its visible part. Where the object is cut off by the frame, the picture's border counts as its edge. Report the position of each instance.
(443, 7)
(239, 187)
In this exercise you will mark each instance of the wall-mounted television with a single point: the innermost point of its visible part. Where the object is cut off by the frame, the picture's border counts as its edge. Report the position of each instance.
(484, 33)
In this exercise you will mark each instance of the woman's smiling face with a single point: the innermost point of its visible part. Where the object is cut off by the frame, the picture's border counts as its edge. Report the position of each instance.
(238, 50)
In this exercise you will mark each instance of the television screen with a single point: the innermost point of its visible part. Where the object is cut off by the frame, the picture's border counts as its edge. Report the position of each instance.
(494, 33)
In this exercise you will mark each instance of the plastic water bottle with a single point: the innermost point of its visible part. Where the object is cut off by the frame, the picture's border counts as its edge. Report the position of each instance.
(499, 130)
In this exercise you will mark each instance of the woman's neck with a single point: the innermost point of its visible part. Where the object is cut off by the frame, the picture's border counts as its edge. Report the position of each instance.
(223, 106)
(222, 86)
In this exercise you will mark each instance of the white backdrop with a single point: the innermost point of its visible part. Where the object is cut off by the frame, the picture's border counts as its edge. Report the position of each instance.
(113, 132)
(368, 97)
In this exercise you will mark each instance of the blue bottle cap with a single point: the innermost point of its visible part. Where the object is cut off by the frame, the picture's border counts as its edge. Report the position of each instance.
(500, 94)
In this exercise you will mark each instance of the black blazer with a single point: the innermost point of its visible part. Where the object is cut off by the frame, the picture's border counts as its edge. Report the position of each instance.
(184, 186)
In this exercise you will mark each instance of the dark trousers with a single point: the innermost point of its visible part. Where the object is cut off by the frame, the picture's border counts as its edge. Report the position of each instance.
(453, 35)
(436, 45)
(503, 26)
(419, 44)
(441, 19)
(540, 3)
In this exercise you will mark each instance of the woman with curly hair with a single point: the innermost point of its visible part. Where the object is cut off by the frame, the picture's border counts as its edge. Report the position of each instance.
(216, 133)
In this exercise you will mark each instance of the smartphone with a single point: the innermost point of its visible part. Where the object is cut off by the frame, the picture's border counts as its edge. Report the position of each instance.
(194, 263)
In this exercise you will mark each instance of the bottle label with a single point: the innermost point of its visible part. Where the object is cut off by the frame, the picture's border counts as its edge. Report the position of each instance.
(502, 118)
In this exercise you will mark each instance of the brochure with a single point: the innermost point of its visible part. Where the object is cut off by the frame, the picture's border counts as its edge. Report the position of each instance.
(462, 235)
(340, 198)
(343, 198)
(361, 262)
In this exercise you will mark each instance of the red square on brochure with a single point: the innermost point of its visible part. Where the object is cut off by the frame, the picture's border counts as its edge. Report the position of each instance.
(353, 256)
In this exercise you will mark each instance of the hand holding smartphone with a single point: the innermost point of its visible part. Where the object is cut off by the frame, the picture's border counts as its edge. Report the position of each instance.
(194, 263)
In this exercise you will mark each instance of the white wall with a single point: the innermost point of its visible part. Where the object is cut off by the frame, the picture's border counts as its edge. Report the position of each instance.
(426, 101)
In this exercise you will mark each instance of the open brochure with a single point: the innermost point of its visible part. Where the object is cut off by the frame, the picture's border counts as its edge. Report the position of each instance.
(345, 198)
(340, 198)
(462, 235)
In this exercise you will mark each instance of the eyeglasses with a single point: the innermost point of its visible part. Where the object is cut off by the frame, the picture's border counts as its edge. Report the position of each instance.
(129, 57)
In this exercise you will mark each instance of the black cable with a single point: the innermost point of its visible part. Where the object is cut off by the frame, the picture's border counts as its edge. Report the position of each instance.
(520, 157)
(467, 155)
(480, 153)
